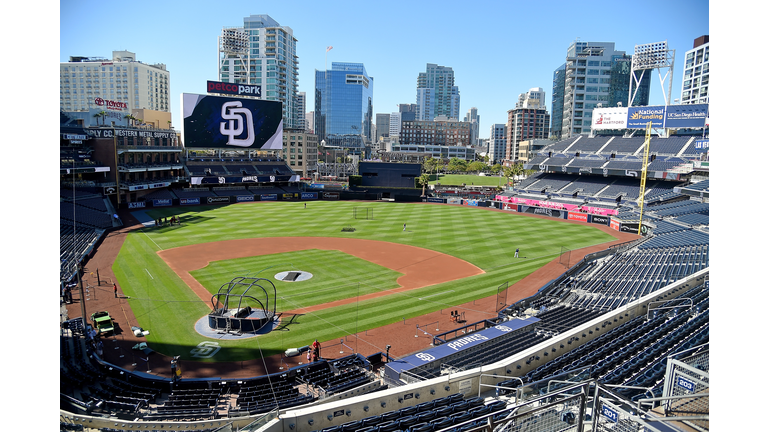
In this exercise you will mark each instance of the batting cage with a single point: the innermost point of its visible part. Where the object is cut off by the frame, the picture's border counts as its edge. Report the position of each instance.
(242, 305)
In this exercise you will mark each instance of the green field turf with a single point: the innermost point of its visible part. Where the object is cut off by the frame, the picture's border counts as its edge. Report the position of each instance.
(476, 180)
(334, 274)
(164, 305)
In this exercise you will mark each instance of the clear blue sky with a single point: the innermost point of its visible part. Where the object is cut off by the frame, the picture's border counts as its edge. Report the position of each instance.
(497, 49)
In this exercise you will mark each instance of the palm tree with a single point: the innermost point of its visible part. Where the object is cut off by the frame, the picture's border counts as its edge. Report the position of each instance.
(424, 182)
(100, 114)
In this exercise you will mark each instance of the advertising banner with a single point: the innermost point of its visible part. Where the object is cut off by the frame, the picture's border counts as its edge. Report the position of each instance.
(245, 198)
(137, 204)
(287, 196)
(557, 205)
(331, 195)
(470, 202)
(453, 200)
(309, 195)
(189, 201)
(510, 207)
(161, 202)
(581, 217)
(217, 200)
(317, 186)
(543, 211)
(233, 89)
(231, 123)
(632, 228)
(638, 117)
(240, 179)
(436, 200)
(615, 224)
(686, 116)
(701, 144)
(609, 118)
(598, 219)
(268, 197)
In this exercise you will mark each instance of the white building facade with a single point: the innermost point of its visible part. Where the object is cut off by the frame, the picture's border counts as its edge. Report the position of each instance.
(696, 73)
(117, 83)
(497, 143)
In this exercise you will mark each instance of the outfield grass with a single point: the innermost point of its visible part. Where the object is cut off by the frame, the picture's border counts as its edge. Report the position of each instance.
(164, 305)
(476, 180)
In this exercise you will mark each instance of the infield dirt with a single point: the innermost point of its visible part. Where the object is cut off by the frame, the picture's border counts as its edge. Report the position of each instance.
(420, 268)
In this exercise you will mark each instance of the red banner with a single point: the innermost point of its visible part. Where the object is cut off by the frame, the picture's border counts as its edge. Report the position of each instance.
(558, 206)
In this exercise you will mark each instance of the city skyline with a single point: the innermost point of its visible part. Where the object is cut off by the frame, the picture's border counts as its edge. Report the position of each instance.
(491, 69)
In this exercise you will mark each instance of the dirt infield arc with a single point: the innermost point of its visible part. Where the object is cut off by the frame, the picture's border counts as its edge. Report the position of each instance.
(399, 335)
(420, 267)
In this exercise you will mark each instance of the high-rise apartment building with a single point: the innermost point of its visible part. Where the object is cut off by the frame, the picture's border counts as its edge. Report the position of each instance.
(529, 120)
(263, 53)
(301, 108)
(497, 143)
(474, 121)
(595, 73)
(436, 93)
(344, 106)
(121, 82)
(696, 73)
(395, 123)
(558, 96)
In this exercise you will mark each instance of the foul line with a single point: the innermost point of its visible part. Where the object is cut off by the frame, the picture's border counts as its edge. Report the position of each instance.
(150, 275)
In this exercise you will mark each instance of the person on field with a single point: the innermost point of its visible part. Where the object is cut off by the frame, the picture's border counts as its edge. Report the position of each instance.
(517, 252)
(114, 285)
(403, 227)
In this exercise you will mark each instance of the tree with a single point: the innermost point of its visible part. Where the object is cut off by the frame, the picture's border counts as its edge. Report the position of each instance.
(495, 169)
(102, 115)
(424, 182)
(476, 166)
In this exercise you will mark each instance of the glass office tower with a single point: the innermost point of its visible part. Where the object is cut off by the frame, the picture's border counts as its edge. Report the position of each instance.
(344, 106)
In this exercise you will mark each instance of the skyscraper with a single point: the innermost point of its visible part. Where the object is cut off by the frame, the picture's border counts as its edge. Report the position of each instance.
(262, 52)
(558, 95)
(301, 108)
(595, 73)
(696, 73)
(497, 143)
(344, 106)
(436, 93)
(474, 120)
(382, 125)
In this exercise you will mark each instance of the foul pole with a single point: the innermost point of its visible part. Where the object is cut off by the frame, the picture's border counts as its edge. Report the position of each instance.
(647, 146)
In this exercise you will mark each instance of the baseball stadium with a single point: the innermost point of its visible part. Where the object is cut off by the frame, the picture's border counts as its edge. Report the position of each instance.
(209, 291)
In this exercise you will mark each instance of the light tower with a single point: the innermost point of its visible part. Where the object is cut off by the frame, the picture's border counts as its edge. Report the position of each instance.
(233, 42)
(647, 57)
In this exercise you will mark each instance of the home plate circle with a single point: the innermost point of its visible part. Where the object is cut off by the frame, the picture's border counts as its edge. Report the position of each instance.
(293, 276)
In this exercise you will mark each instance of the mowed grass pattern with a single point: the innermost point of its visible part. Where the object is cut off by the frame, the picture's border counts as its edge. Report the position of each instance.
(164, 305)
(334, 275)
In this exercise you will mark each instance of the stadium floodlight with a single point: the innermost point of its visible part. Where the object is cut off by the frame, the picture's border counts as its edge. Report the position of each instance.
(233, 44)
(647, 57)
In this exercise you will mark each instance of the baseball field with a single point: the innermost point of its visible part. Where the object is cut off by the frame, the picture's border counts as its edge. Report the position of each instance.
(406, 261)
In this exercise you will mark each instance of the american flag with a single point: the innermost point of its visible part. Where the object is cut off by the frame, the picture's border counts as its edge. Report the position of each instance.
(328, 49)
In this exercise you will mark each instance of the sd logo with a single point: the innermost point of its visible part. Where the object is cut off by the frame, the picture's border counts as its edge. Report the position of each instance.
(205, 349)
